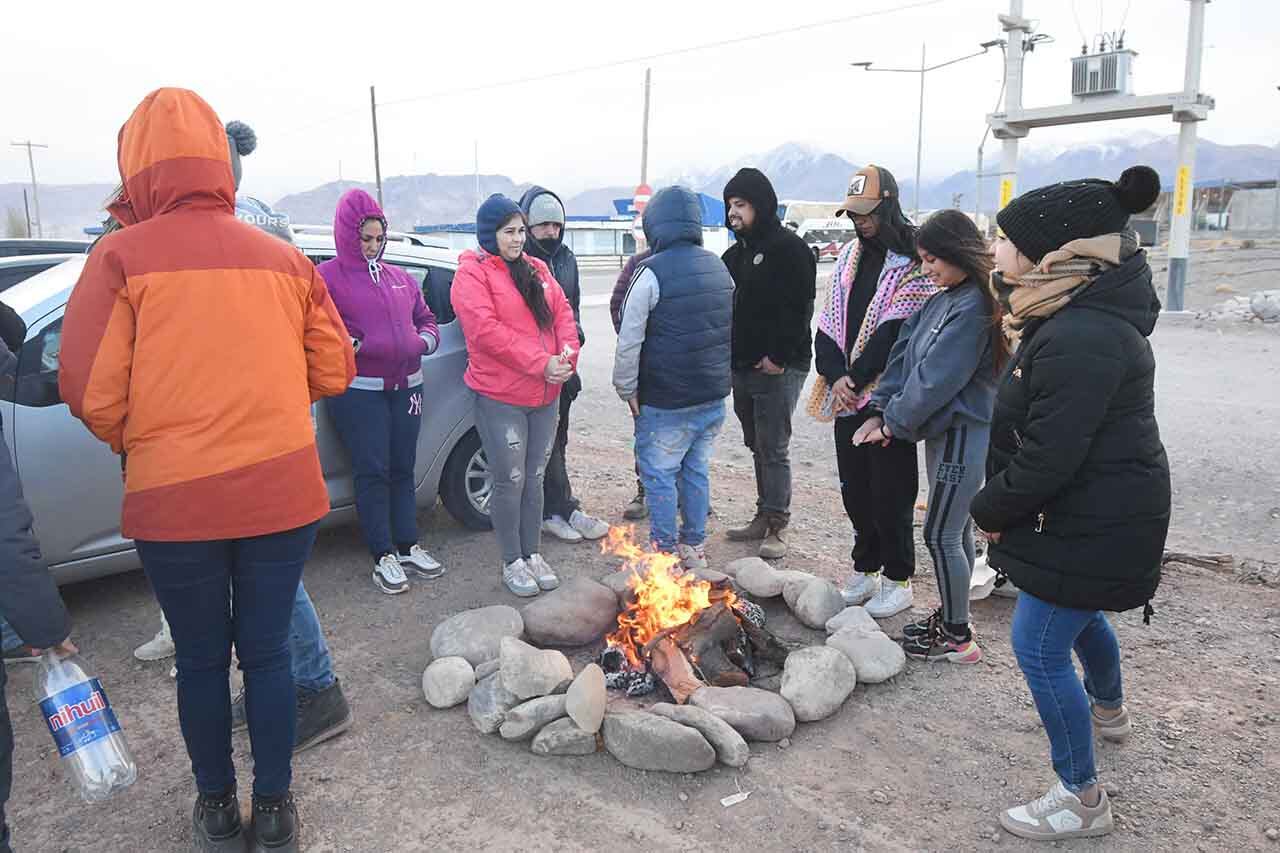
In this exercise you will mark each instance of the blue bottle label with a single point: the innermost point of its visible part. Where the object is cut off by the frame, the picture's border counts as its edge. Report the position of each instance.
(78, 716)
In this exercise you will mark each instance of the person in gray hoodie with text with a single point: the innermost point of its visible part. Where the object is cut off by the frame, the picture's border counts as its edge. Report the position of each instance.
(939, 387)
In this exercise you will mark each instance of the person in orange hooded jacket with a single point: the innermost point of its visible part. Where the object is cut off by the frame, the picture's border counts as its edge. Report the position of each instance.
(194, 344)
(522, 346)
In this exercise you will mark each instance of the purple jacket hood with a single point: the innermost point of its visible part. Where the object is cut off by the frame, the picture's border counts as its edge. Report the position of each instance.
(354, 208)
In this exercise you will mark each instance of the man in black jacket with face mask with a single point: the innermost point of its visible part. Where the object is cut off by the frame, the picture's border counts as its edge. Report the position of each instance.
(774, 276)
(562, 513)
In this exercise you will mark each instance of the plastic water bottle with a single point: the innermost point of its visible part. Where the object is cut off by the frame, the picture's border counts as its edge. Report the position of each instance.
(84, 728)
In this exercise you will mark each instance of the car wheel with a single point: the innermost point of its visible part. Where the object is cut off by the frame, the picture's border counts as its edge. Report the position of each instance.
(468, 484)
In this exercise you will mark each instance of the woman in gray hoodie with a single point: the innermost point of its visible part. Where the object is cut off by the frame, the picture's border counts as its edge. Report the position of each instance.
(939, 387)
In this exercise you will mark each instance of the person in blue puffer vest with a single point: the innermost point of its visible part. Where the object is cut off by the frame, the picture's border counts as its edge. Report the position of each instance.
(672, 366)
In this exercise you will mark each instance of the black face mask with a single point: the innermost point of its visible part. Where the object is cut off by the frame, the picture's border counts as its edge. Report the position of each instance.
(549, 245)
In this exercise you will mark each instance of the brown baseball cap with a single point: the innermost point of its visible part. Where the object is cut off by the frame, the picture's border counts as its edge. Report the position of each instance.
(864, 194)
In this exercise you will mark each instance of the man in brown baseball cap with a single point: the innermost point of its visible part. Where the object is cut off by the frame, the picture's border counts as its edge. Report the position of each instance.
(875, 287)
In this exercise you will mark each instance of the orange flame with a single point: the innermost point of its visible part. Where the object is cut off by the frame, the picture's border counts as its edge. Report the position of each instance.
(664, 597)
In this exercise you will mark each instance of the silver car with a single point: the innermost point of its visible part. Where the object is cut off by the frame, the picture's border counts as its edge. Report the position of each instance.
(73, 481)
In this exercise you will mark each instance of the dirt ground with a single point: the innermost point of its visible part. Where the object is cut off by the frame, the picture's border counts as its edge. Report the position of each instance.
(921, 763)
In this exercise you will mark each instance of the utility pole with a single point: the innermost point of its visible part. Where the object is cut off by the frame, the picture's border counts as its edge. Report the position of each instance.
(915, 199)
(644, 132)
(1183, 186)
(475, 152)
(1017, 27)
(377, 163)
(1275, 212)
(35, 193)
(26, 210)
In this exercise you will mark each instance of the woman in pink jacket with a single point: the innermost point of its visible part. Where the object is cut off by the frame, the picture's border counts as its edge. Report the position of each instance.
(521, 347)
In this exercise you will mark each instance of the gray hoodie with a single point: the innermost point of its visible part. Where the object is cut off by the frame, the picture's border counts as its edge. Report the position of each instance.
(940, 370)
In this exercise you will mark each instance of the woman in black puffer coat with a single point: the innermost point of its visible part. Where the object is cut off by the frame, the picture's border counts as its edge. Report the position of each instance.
(1077, 498)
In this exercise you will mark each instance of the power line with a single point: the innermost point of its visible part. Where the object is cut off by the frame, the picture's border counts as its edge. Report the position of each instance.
(1084, 40)
(1126, 14)
(616, 63)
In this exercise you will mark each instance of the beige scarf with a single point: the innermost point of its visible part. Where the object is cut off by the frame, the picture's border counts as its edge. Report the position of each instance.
(1060, 277)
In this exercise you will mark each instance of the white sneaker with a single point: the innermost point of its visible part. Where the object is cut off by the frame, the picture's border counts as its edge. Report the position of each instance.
(388, 576)
(1058, 814)
(421, 563)
(158, 647)
(561, 529)
(542, 574)
(860, 588)
(519, 579)
(891, 599)
(588, 526)
(692, 557)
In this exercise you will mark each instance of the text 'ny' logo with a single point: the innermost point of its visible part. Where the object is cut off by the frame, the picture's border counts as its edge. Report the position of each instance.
(415, 404)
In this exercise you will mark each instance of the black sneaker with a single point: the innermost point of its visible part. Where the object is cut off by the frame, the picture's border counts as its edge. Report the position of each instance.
(275, 824)
(322, 714)
(924, 628)
(215, 823)
(942, 646)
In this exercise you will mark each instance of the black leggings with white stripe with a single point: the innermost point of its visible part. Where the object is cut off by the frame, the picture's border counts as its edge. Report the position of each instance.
(955, 461)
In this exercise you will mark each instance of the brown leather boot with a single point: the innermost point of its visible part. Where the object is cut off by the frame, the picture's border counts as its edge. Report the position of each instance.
(773, 547)
(754, 531)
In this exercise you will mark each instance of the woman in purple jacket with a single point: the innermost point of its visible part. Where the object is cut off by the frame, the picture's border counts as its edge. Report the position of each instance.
(378, 417)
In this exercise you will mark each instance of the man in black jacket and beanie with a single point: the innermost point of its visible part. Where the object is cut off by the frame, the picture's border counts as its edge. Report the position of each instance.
(29, 600)
(562, 513)
(774, 276)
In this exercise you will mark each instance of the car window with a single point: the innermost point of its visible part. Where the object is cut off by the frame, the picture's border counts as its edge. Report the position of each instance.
(435, 283)
(9, 276)
(37, 380)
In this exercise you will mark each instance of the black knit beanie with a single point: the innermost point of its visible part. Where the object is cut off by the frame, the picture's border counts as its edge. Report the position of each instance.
(1045, 219)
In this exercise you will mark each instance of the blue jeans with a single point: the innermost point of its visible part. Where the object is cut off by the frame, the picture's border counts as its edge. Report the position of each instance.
(379, 429)
(215, 594)
(312, 667)
(673, 449)
(1044, 636)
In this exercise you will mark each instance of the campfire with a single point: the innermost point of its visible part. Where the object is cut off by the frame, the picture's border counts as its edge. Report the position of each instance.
(684, 630)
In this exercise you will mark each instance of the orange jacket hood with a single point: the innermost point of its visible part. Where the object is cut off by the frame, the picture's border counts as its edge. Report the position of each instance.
(172, 152)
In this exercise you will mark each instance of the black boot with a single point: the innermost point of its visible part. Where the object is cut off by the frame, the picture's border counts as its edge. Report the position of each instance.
(275, 824)
(321, 715)
(215, 821)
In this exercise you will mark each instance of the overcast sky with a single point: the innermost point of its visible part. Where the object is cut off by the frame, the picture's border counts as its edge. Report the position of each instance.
(299, 74)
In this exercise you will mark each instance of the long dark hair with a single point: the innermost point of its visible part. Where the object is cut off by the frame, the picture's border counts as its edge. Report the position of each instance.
(951, 236)
(528, 282)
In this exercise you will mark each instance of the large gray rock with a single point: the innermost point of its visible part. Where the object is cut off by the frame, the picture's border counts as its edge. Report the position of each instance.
(529, 672)
(489, 703)
(816, 681)
(1266, 305)
(710, 575)
(487, 669)
(620, 583)
(730, 747)
(563, 737)
(476, 634)
(526, 719)
(875, 657)
(818, 602)
(649, 742)
(852, 617)
(794, 584)
(448, 681)
(754, 713)
(586, 698)
(579, 612)
(758, 578)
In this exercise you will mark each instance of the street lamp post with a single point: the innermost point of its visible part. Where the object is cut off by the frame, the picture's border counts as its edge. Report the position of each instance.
(923, 70)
